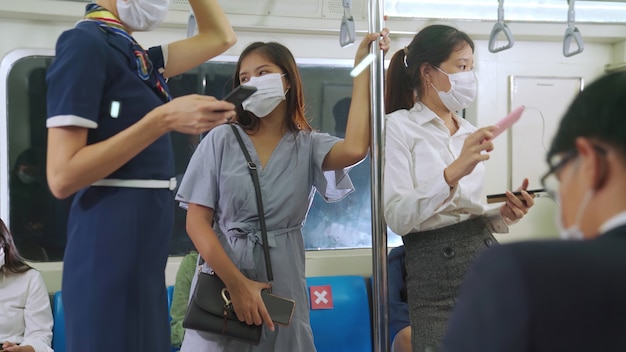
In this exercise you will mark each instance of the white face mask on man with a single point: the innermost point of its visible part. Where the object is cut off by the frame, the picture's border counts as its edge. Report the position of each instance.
(462, 90)
(573, 232)
(269, 93)
(142, 15)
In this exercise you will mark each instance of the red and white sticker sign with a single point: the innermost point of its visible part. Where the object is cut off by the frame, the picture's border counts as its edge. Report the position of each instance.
(321, 297)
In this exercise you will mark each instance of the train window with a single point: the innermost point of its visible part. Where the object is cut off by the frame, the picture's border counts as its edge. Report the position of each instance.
(39, 221)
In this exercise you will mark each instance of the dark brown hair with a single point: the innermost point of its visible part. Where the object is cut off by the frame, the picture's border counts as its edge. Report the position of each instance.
(280, 56)
(432, 45)
(12, 261)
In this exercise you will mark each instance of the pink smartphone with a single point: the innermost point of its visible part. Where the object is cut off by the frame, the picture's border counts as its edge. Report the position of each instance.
(508, 121)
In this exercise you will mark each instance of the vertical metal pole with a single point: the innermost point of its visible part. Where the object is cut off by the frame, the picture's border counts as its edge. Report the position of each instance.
(380, 298)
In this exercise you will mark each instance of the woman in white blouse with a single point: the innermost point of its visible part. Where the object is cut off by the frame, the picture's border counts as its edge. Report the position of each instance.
(434, 175)
(25, 314)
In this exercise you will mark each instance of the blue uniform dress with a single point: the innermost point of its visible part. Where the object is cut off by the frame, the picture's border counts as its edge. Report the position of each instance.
(217, 177)
(118, 238)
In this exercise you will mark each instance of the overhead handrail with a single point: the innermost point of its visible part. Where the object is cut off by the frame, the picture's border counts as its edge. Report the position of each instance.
(500, 27)
(347, 32)
(572, 33)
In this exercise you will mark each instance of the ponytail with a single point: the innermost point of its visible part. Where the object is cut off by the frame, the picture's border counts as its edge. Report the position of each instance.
(398, 90)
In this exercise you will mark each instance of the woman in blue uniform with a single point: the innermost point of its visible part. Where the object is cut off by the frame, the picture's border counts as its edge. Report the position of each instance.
(109, 118)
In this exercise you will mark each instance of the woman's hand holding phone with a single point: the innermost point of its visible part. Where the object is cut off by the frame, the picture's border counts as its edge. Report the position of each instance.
(515, 208)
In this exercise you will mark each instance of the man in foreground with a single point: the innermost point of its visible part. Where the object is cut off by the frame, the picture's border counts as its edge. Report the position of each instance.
(561, 295)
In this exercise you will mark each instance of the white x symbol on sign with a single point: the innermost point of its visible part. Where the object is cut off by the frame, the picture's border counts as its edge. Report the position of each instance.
(321, 297)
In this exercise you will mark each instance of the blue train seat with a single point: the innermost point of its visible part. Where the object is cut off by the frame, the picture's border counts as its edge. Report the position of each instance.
(345, 327)
(58, 331)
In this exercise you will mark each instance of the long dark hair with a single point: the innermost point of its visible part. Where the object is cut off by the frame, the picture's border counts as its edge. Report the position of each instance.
(12, 260)
(280, 56)
(432, 45)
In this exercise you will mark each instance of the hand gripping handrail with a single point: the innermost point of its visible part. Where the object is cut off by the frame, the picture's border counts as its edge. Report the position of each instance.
(500, 27)
(347, 33)
(572, 33)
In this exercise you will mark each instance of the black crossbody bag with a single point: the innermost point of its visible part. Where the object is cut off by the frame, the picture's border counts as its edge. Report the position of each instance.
(211, 310)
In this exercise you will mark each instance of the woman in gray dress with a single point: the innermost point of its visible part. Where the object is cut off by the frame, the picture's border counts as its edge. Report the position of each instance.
(292, 161)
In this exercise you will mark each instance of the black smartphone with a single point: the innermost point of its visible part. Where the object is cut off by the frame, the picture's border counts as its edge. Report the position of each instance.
(239, 94)
(279, 308)
(501, 197)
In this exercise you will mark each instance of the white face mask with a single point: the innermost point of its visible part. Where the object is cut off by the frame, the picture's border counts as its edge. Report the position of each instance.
(2, 257)
(142, 15)
(462, 90)
(573, 232)
(269, 93)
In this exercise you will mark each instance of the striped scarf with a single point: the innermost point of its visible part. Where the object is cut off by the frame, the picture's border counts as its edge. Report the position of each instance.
(109, 23)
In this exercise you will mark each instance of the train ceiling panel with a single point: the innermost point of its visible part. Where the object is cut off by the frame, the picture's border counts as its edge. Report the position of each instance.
(538, 11)
(334, 9)
(300, 8)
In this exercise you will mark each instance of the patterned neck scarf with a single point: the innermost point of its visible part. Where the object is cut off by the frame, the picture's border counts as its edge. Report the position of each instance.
(109, 23)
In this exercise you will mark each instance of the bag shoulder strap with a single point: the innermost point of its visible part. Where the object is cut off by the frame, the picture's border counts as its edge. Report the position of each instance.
(252, 167)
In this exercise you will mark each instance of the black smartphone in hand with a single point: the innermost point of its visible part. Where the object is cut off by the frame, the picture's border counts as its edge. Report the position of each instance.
(501, 197)
(279, 308)
(239, 94)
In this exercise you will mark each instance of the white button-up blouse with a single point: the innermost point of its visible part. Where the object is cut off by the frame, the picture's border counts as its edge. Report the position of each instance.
(418, 147)
(25, 314)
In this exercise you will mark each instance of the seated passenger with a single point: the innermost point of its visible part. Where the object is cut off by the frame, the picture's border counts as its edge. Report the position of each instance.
(29, 201)
(25, 314)
(561, 295)
(399, 325)
(180, 300)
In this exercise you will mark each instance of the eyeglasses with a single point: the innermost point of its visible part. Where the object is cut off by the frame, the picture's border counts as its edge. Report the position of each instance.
(550, 181)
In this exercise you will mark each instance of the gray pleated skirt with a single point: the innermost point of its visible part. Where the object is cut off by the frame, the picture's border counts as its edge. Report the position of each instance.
(436, 261)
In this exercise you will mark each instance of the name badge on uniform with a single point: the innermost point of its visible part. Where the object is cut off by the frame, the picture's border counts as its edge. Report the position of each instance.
(115, 109)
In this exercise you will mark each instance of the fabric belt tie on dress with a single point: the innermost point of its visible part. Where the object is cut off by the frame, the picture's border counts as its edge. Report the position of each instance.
(114, 182)
(243, 230)
(243, 237)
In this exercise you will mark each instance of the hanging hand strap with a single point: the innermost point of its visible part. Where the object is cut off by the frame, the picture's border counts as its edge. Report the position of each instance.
(572, 34)
(259, 203)
(500, 27)
(347, 32)
(191, 25)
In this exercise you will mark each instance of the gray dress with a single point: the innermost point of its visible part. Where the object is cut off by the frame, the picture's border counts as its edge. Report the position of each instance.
(217, 177)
